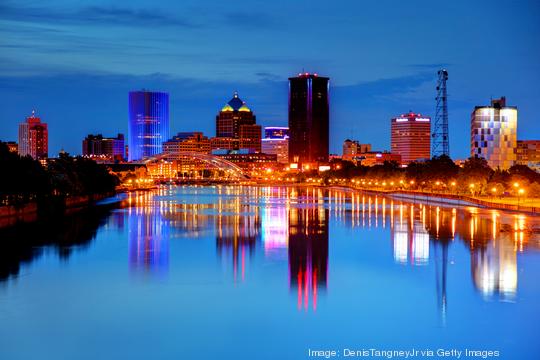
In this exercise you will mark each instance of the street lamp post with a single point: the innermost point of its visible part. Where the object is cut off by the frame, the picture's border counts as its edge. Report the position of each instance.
(520, 192)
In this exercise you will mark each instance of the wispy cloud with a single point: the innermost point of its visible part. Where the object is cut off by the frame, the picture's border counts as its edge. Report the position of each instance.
(93, 15)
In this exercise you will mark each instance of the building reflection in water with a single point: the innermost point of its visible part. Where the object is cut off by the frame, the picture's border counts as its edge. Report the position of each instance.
(275, 231)
(308, 253)
(238, 227)
(293, 223)
(148, 235)
(494, 238)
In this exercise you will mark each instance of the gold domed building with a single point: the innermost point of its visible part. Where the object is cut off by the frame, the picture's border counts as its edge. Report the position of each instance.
(236, 127)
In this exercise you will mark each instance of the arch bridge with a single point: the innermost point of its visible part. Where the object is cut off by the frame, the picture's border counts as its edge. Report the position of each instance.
(211, 162)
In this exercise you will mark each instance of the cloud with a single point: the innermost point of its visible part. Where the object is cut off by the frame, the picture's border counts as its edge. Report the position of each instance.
(93, 15)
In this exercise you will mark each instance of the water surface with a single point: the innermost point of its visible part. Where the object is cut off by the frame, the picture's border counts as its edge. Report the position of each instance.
(268, 273)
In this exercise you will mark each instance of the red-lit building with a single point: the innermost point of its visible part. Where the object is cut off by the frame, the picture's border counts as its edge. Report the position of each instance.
(33, 138)
(411, 137)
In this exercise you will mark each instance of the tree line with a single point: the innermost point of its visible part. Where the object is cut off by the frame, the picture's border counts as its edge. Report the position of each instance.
(26, 180)
(440, 173)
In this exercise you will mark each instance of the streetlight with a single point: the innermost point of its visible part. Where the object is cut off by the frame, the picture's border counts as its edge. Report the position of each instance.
(520, 192)
(494, 191)
(471, 186)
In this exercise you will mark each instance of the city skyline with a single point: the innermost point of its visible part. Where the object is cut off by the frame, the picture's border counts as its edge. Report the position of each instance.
(370, 88)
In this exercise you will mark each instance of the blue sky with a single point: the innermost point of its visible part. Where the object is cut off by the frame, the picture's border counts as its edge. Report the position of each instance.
(74, 62)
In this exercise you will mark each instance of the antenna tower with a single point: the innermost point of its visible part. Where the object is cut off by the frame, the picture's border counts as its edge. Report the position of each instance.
(439, 144)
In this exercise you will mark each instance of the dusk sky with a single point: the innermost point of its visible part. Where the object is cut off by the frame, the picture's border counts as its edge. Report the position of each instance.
(75, 61)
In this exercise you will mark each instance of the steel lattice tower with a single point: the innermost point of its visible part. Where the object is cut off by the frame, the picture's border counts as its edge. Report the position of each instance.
(439, 145)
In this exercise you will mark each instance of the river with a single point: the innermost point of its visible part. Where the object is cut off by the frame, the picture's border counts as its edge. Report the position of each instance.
(240, 272)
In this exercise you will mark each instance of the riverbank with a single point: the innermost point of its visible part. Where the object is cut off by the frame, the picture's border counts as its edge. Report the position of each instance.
(31, 212)
(451, 199)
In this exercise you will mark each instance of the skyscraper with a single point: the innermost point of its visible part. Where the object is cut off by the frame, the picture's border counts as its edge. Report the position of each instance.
(411, 137)
(494, 133)
(236, 127)
(308, 119)
(148, 123)
(33, 138)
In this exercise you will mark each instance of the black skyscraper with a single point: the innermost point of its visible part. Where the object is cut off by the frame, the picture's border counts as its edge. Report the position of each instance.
(308, 118)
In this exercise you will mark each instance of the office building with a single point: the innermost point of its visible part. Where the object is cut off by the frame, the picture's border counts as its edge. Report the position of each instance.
(34, 138)
(352, 148)
(308, 119)
(494, 133)
(372, 158)
(148, 123)
(108, 149)
(185, 143)
(236, 128)
(276, 142)
(411, 137)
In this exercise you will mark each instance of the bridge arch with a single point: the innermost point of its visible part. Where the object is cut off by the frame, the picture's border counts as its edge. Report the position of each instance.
(212, 161)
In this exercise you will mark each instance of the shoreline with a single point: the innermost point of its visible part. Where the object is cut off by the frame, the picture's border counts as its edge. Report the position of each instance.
(27, 213)
(448, 199)
(30, 212)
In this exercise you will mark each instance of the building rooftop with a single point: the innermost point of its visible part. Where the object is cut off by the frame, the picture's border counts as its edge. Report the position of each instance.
(235, 104)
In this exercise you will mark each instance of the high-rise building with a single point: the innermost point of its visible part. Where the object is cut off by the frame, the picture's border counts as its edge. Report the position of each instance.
(494, 133)
(236, 128)
(276, 141)
(148, 123)
(411, 137)
(352, 148)
(308, 119)
(105, 148)
(34, 138)
(528, 153)
(186, 142)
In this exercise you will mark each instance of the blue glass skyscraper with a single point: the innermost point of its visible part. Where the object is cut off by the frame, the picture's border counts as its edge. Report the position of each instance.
(148, 123)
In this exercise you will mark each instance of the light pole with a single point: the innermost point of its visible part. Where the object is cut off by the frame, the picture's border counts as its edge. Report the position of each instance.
(520, 192)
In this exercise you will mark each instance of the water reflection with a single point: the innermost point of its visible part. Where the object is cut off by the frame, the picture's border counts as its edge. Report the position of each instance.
(22, 244)
(308, 253)
(291, 224)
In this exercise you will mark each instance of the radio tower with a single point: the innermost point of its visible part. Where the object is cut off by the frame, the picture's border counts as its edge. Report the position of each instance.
(439, 145)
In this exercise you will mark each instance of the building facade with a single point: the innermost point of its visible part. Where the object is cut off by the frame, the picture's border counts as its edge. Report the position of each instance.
(186, 142)
(276, 142)
(411, 137)
(34, 138)
(236, 128)
(372, 158)
(108, 149)
(148, 123)
(528, 153)
(352, 148)
(494, 133)
(308, 119)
